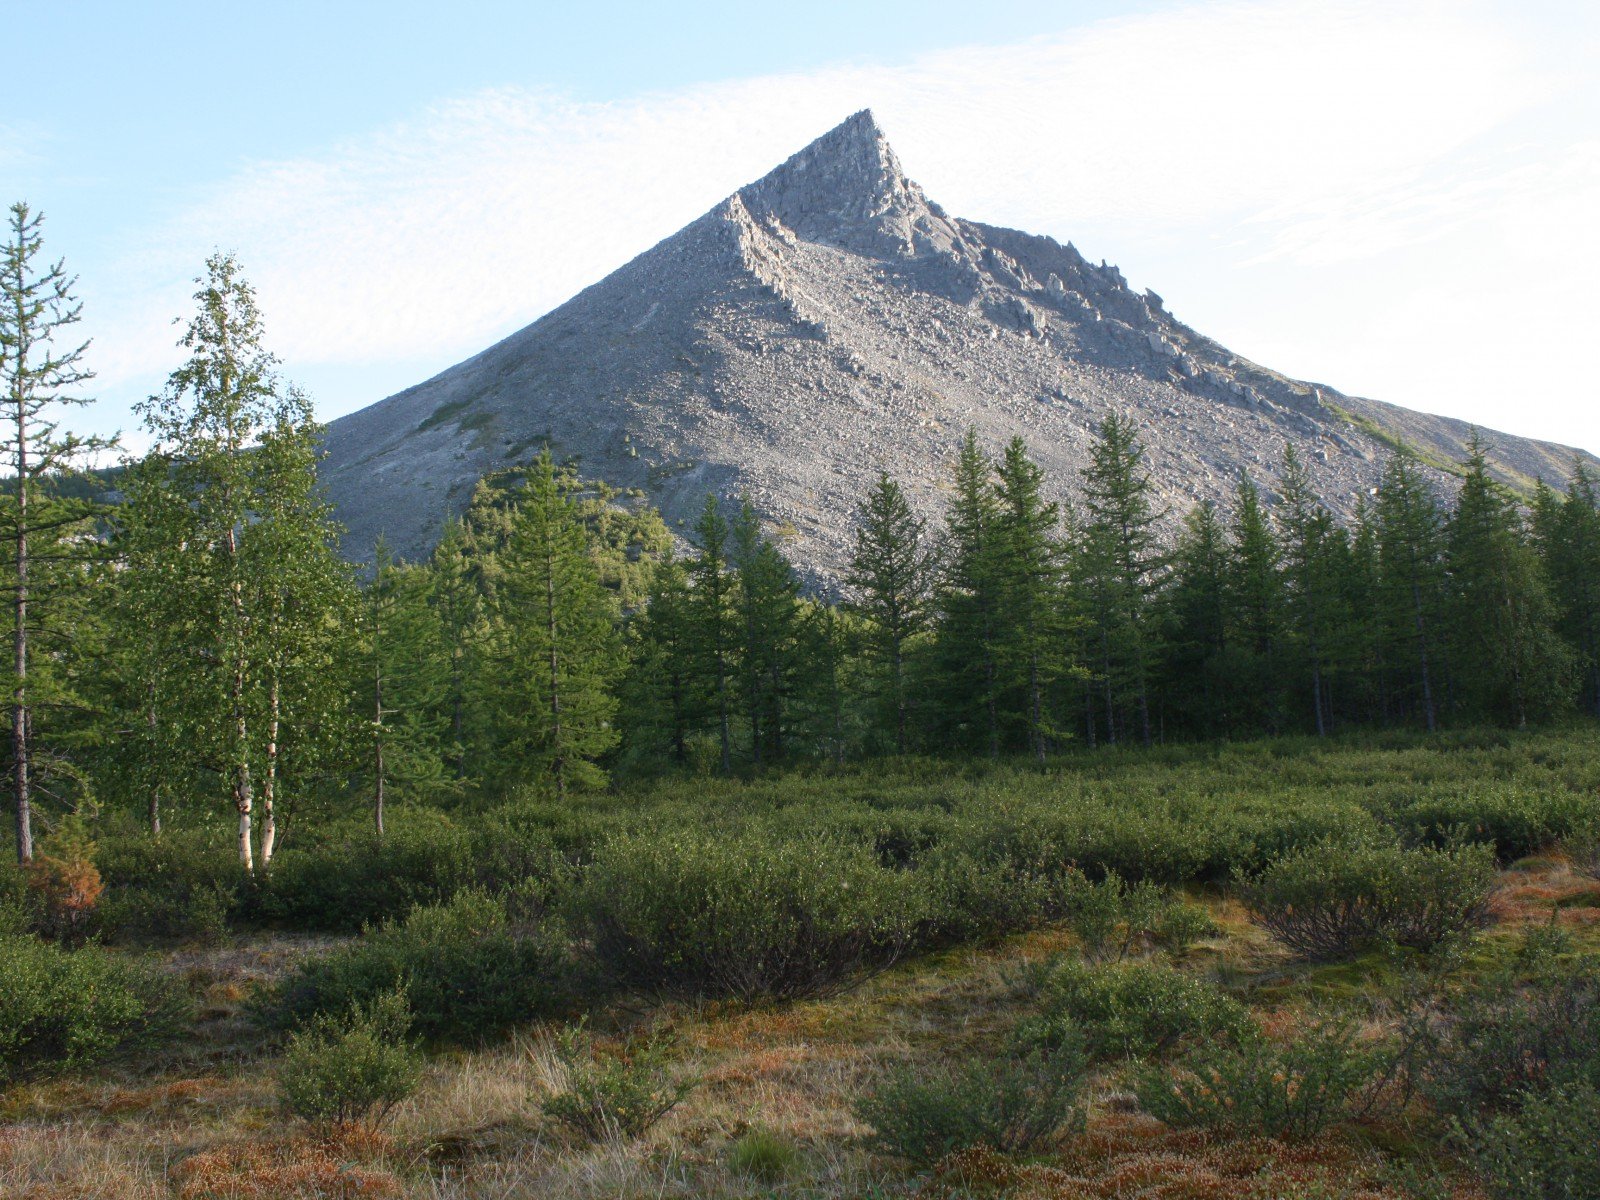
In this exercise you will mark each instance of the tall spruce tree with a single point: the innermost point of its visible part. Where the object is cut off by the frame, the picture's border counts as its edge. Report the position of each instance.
(712, 623)
(1030, 562)
(969, 598)
(1509, 662)
(44, 530)
(1568, 535)
(1121, 562)
(1196, 638)
(1256, 609)
(1410, 558)
(1312, 556)
(563, 651)
(768, 614)
(891, 576)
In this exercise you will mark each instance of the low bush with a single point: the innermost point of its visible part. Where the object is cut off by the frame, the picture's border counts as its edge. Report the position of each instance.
(613, 1095)
(1018, 1102)
(64, 1009)
(1517, 1035)
(1583, 847)
(352, 1068)
(1548, 1149)
(176, 887)
(1259, 1087)
(466, 971)
(1336, 899)
(354, 878)
(1516, 821)
(742, 916)
(63, 882)
(1131, 1010)
(1113, 918)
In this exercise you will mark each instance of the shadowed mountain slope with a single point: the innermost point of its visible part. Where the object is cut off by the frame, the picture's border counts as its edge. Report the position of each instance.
(828, 321)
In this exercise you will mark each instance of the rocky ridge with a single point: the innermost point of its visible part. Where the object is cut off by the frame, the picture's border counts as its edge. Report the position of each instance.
(828, 321)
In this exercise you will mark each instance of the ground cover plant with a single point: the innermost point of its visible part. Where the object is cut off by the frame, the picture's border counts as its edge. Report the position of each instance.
(909, 980)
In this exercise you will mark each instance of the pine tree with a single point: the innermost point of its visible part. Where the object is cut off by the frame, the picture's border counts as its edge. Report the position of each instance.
(768, 615)
(1121, 563)
(564, 651)
(891, 575)
(45, 531)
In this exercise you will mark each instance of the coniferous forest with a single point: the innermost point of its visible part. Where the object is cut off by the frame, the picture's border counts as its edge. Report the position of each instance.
(1247, 841)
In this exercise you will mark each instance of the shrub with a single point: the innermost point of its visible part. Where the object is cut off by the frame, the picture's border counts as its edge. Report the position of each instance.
(763, 1156)
(1112, 918)
(1016, 1103)
(64, 1009)
(351, 1068)
(178, 886)
(355, 879)
(971, 899)
(1583, 846)
(1132, 1010)
(64, 884)
(1511, 1037)
(1260, 1087)
(611, 1096)
(1336, 899)
(465, 970)
(743, 916)
(1517, 821)
(1546, 1150)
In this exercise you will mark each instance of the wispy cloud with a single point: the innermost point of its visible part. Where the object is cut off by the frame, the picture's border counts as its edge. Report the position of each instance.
(1269, 135)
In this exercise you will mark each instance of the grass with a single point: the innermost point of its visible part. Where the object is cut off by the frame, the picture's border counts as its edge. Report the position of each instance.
(202, 1121)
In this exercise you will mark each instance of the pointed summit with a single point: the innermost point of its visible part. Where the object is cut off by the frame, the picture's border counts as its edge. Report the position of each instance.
(847, 189)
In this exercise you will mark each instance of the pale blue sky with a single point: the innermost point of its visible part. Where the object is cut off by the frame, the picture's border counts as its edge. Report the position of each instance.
(1397, 198)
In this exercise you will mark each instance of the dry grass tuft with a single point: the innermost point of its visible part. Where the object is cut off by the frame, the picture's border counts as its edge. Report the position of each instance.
(349, 1162)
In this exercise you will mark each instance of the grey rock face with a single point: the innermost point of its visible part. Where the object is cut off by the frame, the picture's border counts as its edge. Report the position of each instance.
(829, 321)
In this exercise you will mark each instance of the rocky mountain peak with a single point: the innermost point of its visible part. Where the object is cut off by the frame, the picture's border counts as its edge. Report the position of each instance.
(847, 189)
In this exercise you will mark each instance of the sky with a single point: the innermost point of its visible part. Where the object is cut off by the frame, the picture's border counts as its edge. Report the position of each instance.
(1400, 199)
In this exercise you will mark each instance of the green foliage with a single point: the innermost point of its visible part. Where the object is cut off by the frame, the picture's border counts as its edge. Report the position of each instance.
(1132, 1010)
(1259, 1087)
(743, 916)
(180, 887)
(764, 1156)
(465, 970)
(61, 1010)
(1334, 899)
(1014, 1102)
(1521, 1033)
(620, 1095)
(1114, 918)
(354, 1067)
(1546, 1150)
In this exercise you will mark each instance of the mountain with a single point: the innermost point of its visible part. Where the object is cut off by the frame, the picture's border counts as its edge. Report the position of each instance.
(830, 320)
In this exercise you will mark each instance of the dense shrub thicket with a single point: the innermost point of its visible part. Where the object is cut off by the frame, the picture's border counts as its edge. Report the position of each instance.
(353, 1067)
(465, 969)
(1337, 898)
(65, 1009)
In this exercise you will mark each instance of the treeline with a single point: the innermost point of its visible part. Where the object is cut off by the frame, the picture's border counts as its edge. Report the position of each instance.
(201, 647)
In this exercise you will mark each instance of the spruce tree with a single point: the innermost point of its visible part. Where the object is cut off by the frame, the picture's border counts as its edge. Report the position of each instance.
(712, 623)
(1410, 558)
(768, 616)
(1122, 562)
(1029, 561)
(563, 652)
(1256, 609)
(891, 576)
(1196, 637)
(1509, 661)
(1568, 535)
(969, 597)
(1313, 551)
(43, 529)
(660, 697)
